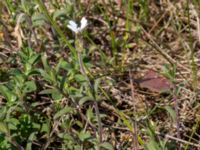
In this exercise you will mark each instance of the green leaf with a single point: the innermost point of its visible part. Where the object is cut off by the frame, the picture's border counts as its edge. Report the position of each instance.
(62, 112)
(31, 138)
(84, 135)
(45, 75)
(59, 13)
(3, 113)
(79, 123)
(7, 93)
(29, 87)
(107, 146)
(58, 66)
(36, 126)
(152, 145)
(3, 128)
(27, 68)
(96, 84)
(15, 72)
(171, 112)
(13, 123)
(55, 94)
(34, 72)
(34, 59)
(46, 127)
(80, 78)
(66, 66)
(47, 91)
(65, 136)
(85, 99)
(90, 115)
(63, 82)
(38, 19)
(45, 62)
(125, 121)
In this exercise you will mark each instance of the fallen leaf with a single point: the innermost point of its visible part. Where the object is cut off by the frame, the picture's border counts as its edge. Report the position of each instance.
(155, 82)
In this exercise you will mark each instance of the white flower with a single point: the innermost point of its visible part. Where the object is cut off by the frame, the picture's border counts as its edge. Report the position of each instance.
(74, 27)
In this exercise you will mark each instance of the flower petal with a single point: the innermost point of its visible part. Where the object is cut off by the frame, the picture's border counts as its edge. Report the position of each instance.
(83, 23)
(73, 26)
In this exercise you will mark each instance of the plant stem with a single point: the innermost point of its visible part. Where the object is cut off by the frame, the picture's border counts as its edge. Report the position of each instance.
(82, 70)
(177, 116)
(135, 139)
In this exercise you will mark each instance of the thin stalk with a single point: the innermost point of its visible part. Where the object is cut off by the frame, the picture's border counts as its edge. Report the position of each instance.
(79, 47)
(135, 139)
(177, 116)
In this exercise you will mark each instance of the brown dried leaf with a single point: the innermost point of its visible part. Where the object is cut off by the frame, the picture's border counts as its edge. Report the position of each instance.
(155, 82)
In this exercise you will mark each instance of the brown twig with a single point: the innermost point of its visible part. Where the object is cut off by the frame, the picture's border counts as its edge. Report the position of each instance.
(135, 140)
(177, 116)
(178, 140)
